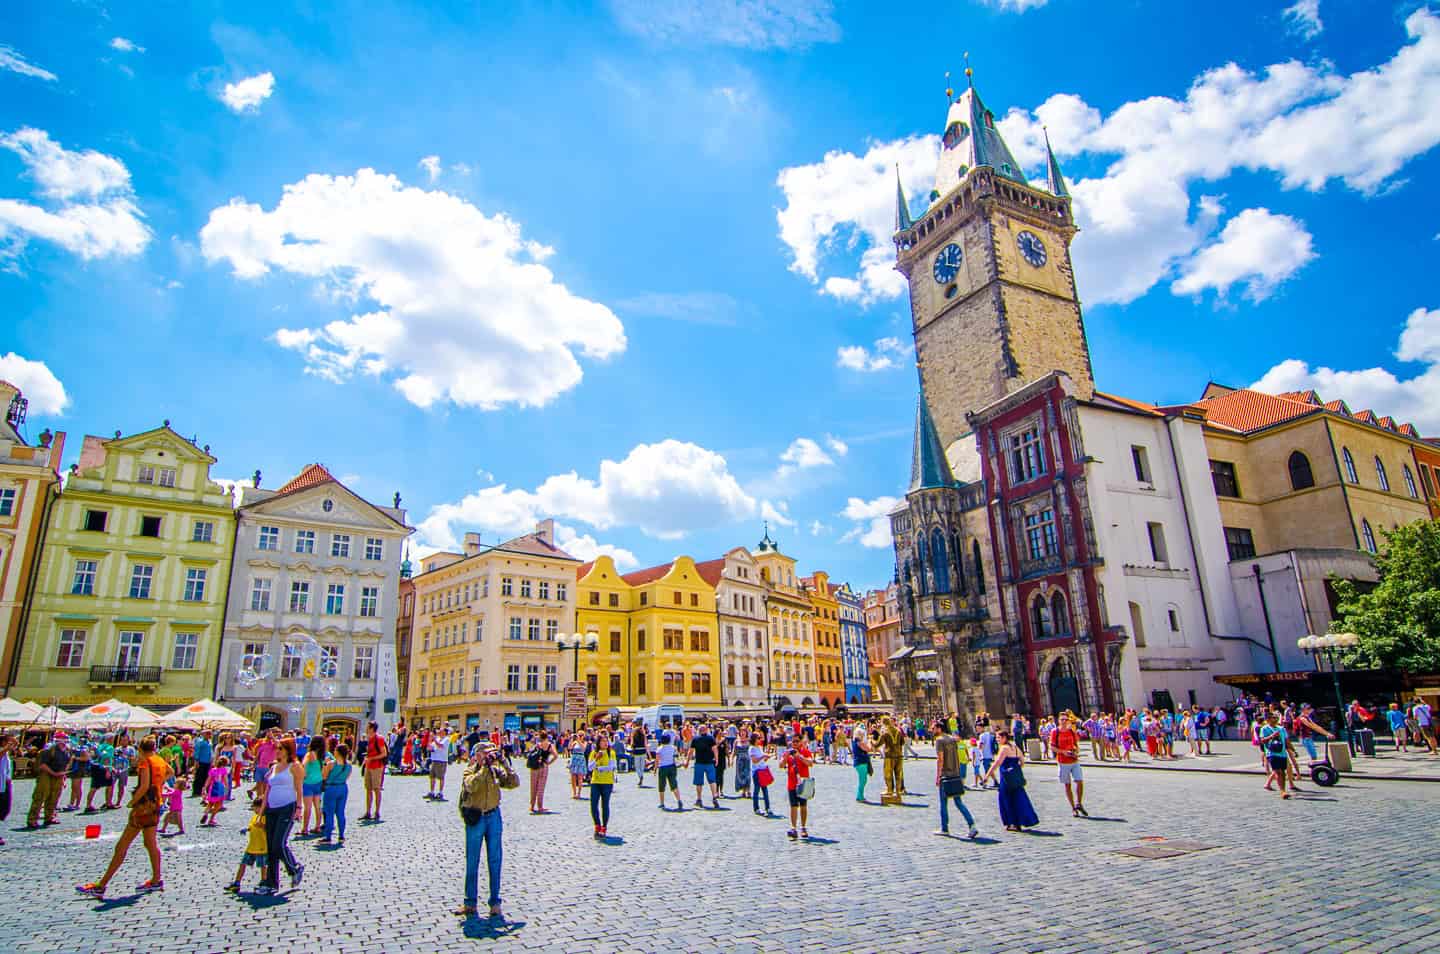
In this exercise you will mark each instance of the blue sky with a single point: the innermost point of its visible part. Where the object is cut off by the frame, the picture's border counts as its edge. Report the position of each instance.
(627, 264)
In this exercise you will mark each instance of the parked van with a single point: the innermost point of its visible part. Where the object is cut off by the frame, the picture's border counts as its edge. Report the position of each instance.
(661, 717)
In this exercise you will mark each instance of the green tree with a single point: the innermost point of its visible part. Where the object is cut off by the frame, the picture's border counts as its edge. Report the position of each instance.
(1398, 622)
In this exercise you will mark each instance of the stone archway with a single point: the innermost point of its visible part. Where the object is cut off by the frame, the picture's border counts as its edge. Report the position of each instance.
(1063, 689)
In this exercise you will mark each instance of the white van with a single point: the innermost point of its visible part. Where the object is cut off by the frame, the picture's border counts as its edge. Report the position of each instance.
(658, 717)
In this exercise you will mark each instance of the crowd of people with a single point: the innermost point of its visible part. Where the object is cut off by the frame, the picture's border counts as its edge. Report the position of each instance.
(294, 779)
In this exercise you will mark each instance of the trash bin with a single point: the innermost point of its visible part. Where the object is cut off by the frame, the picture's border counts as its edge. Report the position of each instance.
(1365, 742)
(1032, 750)
(1339, 755)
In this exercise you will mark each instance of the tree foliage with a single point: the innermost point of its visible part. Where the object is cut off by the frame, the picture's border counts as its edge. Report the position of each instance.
(1398, 622)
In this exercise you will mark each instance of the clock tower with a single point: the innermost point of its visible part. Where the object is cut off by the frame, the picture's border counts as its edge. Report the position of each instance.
(992, 293)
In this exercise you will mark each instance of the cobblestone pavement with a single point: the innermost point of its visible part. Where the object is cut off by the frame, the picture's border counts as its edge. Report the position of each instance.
(1341, 869)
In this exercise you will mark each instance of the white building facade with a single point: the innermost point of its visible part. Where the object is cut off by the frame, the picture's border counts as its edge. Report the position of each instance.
(743, 626)
(314, 558)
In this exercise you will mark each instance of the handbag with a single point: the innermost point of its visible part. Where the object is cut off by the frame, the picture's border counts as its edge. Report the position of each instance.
(806, 789)
(764, 777)
(952, 787)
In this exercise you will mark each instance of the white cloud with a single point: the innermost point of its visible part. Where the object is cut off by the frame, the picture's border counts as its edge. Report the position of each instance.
(888, 353)
(247, 94)
(804, 452)
(12, 60)
(753, 24)
(777, 513)
(1017, 6)
(836, 445)
(818, 529)
(431, 165)
(871, 519)
(125, 46)
(464, 311)
(586, 547)
(1416, 400)
(1257, 248)
(846, 202)
(91, 211)
(1139, 225)
(37, 382)
(666, 490)
(1303, 18)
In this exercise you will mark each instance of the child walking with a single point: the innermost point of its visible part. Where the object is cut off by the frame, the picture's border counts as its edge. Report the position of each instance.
(172, 796)
(255, 846)
(217, 791)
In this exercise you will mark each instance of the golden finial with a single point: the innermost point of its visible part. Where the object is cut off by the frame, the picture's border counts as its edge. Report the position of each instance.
(949, 92)
(968, 71)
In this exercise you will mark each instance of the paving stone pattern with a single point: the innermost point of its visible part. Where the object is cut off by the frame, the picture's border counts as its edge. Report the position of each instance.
(1342, 869)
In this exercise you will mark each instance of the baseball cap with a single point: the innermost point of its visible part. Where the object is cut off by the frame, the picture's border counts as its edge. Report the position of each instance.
(61, 736)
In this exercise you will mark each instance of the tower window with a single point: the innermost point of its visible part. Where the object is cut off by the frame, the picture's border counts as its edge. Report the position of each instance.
(1380, 473)
(1027, 461)
(1367, 536)
(1350, 474)
(1300, 475)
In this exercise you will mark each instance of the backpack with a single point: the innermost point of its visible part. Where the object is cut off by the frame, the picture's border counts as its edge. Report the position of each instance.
(1274, 744)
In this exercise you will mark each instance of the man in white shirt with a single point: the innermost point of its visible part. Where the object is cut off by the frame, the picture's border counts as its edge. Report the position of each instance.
(1425, 721)
(666, 770)
(439, 762)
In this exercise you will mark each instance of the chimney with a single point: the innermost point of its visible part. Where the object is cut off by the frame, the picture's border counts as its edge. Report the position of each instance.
(545, 531)
(472, 544)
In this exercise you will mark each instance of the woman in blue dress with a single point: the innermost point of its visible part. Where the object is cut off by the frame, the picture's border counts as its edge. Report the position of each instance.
(1016, 812)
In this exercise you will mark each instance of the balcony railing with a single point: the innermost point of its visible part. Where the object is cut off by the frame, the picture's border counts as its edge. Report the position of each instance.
(125, 674)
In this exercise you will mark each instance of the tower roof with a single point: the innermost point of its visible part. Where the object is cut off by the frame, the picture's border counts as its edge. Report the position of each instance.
(903, 222)
(928, 466)
(766, 545)
(972, 139)
(1054, 181)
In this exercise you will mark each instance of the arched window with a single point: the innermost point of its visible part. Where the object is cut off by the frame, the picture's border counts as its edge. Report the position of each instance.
(1367, 535)
(921, 556)
(1059, 615)
(939, 561)
(1137, 625)
(1350, 474)
(1410, 482)
(1380, 473)
(1300, 475)
(979, 567)
(1040, 624)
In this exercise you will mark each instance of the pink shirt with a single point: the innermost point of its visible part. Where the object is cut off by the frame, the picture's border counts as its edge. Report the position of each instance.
(264, 754)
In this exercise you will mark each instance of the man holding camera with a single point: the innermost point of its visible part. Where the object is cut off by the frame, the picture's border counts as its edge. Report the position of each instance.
(486, 774)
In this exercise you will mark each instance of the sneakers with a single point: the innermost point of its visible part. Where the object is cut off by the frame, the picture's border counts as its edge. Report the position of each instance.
(598, 831)
(92, 890)
(265, 889)
(1082, 811)
(495, 912)
(941, 832)
(298, 876)
(233, 887)
(603, 831)
(805, 833)
(150, 884)
(790, 834)
(465, 911)
(974, 832)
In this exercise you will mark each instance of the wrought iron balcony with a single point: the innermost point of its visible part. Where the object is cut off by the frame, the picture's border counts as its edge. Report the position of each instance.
(109, 675)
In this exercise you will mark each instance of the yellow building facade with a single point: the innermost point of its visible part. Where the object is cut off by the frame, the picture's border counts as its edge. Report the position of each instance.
(676, 648)
(792, 618)
(829, 661)
(134, 571)
(603, 604)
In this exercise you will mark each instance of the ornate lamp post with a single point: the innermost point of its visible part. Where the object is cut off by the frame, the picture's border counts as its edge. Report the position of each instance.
(576, 643)
(1327, 646)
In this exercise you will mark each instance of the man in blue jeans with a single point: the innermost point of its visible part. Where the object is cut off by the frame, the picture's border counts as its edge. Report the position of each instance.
(949, 774)
(487, 773)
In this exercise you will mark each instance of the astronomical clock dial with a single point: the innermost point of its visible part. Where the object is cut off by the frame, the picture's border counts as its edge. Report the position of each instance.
(947, 264)
(1031, 248)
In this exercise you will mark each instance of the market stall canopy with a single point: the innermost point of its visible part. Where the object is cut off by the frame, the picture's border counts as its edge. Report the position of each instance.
(50, 717)
(113, 714)
(15, 712)
(206, 714)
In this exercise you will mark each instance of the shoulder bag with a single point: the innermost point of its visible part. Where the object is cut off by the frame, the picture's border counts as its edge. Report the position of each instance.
(952, 786)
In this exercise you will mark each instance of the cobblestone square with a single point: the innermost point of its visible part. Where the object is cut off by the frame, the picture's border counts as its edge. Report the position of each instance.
(1339, 869)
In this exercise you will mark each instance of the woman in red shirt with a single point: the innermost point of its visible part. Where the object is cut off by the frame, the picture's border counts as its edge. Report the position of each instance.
(797, 762)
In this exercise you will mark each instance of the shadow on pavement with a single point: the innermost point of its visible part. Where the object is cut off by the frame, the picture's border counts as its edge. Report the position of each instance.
(477, 928)
(814, 840)
(111, 904)
(1043, 834)
(1101, 818)
(610, 840)
(262, 901)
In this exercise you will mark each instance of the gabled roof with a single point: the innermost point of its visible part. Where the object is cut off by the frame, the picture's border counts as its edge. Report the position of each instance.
(311, 476)
(1246, 410)
(531, 543)
(647, 575)
(711, 571)
(1129, 403)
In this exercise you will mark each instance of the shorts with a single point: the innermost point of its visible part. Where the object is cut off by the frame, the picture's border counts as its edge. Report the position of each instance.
(437, 770)
(257, 860)
(667, 777)
(795, 800)
(99, 777)
(79, 769)
(1278, 763)
(261, 774)
(704, 773)
(1202, 733)
(1070, 772)
(374, 779)
(312, 789)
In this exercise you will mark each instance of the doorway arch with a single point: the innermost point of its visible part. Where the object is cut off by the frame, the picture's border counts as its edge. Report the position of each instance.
(1064, 688)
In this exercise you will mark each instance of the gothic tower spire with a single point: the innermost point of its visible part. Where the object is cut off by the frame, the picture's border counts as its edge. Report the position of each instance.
(928, 466)
(903, 222)
(1055, 182)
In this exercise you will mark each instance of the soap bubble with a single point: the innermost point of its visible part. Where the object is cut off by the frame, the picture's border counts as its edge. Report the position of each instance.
(294, 702)
(264, 666)
(247, 678)
(328, 688)
(329, 668)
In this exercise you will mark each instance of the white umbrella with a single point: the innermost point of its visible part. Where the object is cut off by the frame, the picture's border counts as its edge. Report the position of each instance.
(206, 714)
(51, 718)
(114, 714)
(15, 712)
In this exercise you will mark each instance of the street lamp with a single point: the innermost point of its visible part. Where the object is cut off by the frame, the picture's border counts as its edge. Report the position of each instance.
(1327, 646)
(576, 643)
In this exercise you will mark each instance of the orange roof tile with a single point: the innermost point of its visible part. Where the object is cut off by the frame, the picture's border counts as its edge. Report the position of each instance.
(1387, 422)
(711, 571)
(1367, 415)
(1409, 431)
(312, 476)
(584, 568)
(1338, 407)
(1245, 410)
(647, 575)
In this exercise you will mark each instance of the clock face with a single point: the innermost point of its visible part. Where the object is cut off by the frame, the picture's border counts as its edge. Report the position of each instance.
(1031, 248)
(947, 264)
